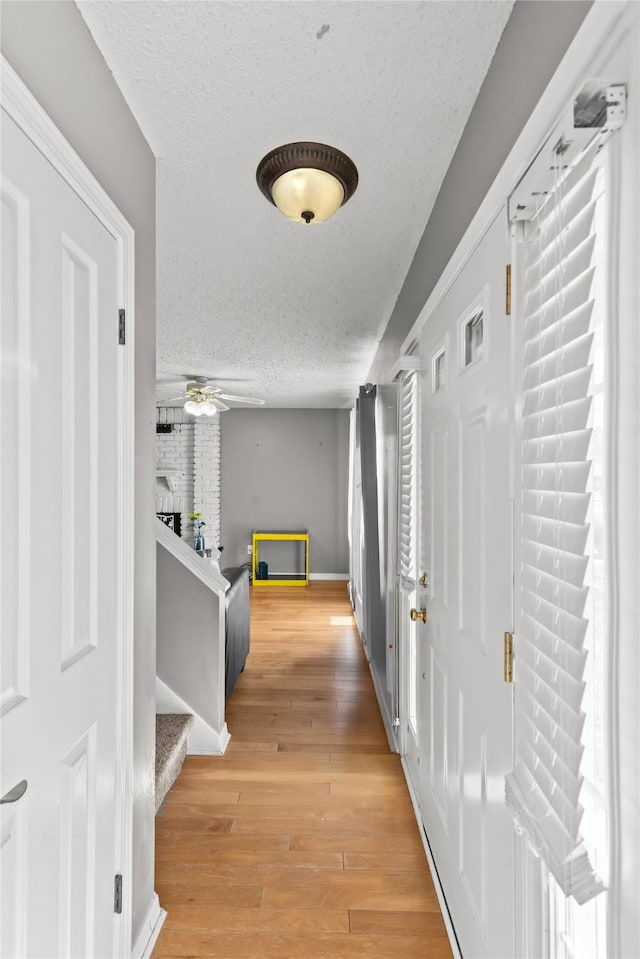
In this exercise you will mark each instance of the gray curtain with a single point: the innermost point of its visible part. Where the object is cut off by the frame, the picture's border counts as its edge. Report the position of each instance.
(374, 612)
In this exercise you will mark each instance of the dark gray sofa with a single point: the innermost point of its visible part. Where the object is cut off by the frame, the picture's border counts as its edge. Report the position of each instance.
(237, 624)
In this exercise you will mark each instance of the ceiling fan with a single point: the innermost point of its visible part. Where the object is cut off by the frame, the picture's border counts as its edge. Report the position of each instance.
(204, 399)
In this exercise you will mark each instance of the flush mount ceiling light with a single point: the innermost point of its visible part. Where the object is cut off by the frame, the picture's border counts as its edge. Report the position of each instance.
(308, 182)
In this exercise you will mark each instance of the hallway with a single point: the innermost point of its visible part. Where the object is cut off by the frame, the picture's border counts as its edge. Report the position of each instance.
(300, 842)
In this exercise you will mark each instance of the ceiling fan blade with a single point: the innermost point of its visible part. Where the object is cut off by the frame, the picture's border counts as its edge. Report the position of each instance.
(170, 399)
(241, 399)
(218, 405)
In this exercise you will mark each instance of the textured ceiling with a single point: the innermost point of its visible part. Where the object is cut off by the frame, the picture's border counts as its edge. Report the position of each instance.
(289, 312)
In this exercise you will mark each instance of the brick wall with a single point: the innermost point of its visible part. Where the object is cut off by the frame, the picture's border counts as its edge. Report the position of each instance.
(193, 448)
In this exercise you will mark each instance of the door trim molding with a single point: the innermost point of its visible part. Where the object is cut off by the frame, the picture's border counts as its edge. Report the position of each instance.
(592, 41)
(19, 104)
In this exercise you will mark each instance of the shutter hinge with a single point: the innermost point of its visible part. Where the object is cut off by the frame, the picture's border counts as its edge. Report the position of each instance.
(117, 894)
(508, 657)
(507, 307)
(121, 327)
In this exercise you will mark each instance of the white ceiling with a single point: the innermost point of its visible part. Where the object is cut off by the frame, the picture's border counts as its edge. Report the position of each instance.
(290, 312)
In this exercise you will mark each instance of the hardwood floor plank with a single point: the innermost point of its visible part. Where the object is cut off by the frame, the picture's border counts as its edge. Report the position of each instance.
(210, 893)
(405, 923)
(197, 796)
(300, 842)
(173, 847)
(348, 842)
(354, 890)
(229, 919)
(232, 945)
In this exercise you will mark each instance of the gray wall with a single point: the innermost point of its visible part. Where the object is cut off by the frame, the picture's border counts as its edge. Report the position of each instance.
(286, 469)
(532, 45)
(51, 49)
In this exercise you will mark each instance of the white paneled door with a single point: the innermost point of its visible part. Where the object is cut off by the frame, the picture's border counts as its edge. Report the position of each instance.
(61, 601)
(464, 710)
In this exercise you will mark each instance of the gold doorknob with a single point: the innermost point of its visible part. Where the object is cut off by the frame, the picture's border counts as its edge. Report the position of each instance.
(419, 614)
(424, 580)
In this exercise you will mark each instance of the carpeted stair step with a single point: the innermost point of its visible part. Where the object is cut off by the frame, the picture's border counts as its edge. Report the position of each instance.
(172, 733)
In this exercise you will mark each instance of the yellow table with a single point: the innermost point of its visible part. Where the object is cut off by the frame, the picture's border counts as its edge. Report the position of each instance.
(295, 579)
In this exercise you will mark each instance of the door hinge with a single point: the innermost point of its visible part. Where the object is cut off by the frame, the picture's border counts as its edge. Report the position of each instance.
(508, 657)
(117, 894)
(121, 327)
(507, 307)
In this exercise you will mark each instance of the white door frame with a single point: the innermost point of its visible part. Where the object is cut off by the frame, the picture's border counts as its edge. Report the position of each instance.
(27, 113)
(589, 47)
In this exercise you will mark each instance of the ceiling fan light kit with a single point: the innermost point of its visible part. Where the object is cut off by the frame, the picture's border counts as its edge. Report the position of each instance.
(308, 182)
(203, 399)
(200, 408)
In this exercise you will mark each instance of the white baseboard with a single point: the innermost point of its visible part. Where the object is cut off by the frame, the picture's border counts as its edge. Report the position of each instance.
(149, 931)
(340, 576)
(392, 738)
(200, 742)
(442, 902)
(204, 740)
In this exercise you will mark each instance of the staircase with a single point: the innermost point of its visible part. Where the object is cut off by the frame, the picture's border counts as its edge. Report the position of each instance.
(172, 733)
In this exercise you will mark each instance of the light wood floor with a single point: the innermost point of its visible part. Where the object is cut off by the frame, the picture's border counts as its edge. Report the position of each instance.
(300, 842)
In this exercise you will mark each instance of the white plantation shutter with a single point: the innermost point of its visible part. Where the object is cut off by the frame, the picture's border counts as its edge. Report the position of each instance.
(407, 517)
(561, 330)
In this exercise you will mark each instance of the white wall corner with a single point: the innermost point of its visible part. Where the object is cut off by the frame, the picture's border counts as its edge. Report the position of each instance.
(204, 740)
(149, 931)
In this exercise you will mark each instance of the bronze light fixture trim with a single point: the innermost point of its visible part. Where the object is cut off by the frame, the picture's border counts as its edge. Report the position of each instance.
(307, 181)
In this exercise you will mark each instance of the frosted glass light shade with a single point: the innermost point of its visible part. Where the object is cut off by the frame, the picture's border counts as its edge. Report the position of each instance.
(307, 191)
(307, 181)
(200, 408)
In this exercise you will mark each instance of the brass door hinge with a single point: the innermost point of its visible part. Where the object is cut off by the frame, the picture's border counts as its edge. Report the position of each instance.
(508, 291)
(508, 657)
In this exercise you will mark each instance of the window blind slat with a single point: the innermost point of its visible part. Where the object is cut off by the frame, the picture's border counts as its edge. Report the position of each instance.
(554, 561)
(572, 359)
(546, 476)
(538, 529)
(563, 388)
(575, 269)
(560, 711)
(557, 336)
(570, 417)
(544, 724)
(569, 812)
(558, 621)
(577, 192)
(564, 448)
(556, 676)
(406, 536)
(555, 590)
(576, 230)
(545, 306)
(556, 504)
